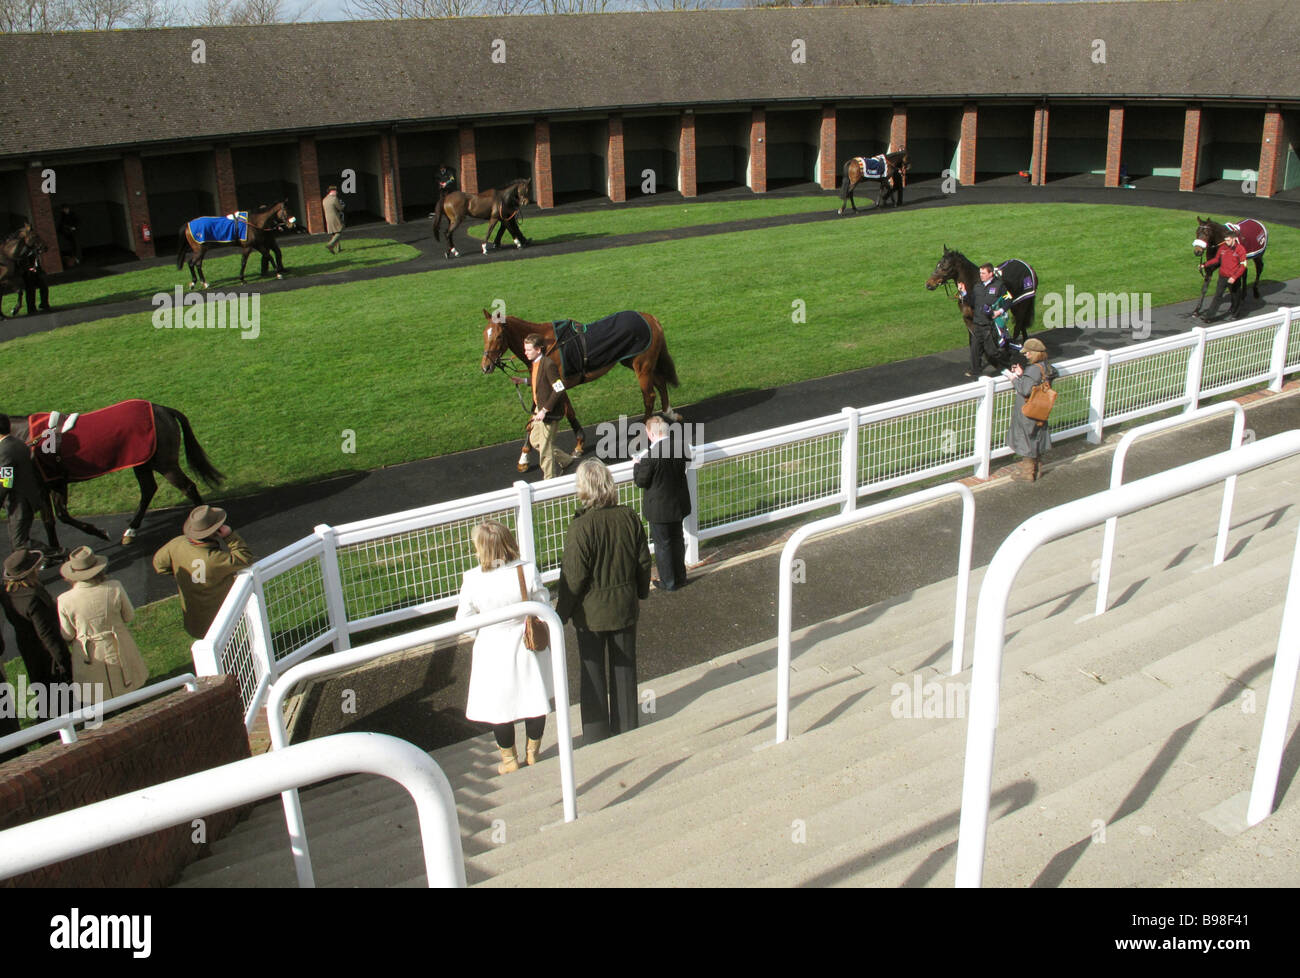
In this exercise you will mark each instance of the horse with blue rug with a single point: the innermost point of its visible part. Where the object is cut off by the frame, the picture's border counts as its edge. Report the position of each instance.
(888, 169)
(248, 230)
(585, 351)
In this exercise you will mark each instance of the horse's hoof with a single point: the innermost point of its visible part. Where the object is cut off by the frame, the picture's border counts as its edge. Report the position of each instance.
(485, 247)
(279, 278)
(128, 538)
(519, 244)
(453, 253)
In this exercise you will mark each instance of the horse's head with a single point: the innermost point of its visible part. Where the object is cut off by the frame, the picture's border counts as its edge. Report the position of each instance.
(1208, 235)
(495, 344)
(520, 190)
(279, 218)
(22, 243)
(946, 270)
(899, 159)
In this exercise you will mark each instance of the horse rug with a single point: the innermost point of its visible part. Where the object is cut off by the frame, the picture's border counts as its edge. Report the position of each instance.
(873, 168)
(220, 230)
(1019, 278)
(588, 347)
(1254, 236)
(113, 438)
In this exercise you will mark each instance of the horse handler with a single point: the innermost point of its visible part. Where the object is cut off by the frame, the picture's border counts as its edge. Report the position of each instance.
(549, 402)
(333, 205)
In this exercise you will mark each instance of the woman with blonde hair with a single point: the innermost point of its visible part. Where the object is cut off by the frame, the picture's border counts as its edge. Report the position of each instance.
(507, 681)
(93, 617)
(1026, 437)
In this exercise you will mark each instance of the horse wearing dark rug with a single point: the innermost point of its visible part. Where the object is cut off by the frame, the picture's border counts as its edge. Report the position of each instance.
(585, 352)
(1018, 276)
(1210, 234)
(136, 434)
(889, 169)
(16, 253)
(249, 230)
(499, 207)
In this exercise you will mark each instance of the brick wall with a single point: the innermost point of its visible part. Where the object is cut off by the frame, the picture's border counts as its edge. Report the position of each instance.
(1272, 153)
(543, 185)
(969, 133)
(829, 172)
(309, 178)
(43, 220)
(758, 151)
(158, 741)
(615, 162)
(388, 178)
(1114, 144)
(1191, 148)
(686, 156)
(468, 161)
(898, 128)
(224, 166)
(137, 202)
(1038, 166)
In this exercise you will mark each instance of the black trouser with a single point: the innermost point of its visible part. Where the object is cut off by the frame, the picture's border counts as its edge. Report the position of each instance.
(607, 707)
(984, 345)
(670, 553)
(32, 281)
(21, 515)
(1237, 291)
(505, 732)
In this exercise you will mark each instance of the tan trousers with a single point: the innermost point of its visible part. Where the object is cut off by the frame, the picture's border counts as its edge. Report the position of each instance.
(542, 437)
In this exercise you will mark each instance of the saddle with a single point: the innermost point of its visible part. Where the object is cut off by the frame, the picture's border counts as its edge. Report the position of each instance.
(873, 168)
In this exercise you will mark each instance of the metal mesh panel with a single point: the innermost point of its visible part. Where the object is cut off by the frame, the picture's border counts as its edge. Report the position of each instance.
(236, 658)
(900, 446)
(406, 569)
(1234, 358)
(295, 607)
(1073, 399)
(769, 479)
(1146, 383)
(552, 517)
(1293, 344)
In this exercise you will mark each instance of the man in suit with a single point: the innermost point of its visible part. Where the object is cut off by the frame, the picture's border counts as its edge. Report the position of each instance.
(20, 487)
(661, 471)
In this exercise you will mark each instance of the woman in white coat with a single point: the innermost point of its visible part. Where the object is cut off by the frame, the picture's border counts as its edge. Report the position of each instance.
(93, 616)
(507, 680)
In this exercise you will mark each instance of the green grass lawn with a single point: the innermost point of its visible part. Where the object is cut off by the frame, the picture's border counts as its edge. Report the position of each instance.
(390, 368)
(222, 269)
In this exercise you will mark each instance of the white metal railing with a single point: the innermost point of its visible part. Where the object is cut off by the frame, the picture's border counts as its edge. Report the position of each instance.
(66, 724)
(319, 592)
(785, 580)
(105, 823)
(990, 627)
(340, 661)
(1117, 479)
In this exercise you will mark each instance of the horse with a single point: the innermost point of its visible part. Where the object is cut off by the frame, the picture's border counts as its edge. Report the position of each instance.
(1020, 279)
(583, 354)
(258, 234)
(1210, 234)
(139, 435)
(15, 254)
(498, 206)
(890, 169)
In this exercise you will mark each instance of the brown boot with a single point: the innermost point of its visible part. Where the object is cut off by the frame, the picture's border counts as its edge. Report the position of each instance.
(509, 760)
(1035, 467)
(530, 753)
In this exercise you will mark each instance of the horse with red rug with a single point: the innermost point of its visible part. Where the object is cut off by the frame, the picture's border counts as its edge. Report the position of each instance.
(584, 352)
(1210, 234)
(135, 434)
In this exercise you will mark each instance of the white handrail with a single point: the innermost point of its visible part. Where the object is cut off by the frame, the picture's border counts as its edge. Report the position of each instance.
(129, 816)
(1117, 479)
(785, 580)
(340, 661)
(66, 724)
(990, 622)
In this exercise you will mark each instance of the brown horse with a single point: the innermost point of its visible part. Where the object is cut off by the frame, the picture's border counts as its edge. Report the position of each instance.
(500, 207)
(653, 365)
(257, 234)
(79, 455)
(892, 177)
(15, 256)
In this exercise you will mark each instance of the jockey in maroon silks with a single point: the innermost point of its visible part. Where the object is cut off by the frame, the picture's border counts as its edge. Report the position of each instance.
(1230, 259)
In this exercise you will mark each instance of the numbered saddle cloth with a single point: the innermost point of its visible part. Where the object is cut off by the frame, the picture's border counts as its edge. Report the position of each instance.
(588, 347)
(118, 437)
(220, 230)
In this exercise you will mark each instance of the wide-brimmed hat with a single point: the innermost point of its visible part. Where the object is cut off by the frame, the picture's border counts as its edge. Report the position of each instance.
(20, 563)
(1034, 345)
(82, 565)
(204, 521)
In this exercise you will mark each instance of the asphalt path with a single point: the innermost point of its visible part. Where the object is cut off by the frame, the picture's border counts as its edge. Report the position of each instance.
(422, 700)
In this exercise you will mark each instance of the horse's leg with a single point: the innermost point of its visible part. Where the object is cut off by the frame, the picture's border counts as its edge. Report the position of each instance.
(578, 445)
(844, 195)
(517, 234)
(243, 264)
(452, 225)
(59, 499)
(148, 487)
(1205, 284)
(493, 222)
(1259, 270)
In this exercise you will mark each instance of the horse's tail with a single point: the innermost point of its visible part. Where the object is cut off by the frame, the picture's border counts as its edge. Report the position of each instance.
(666, 369)
(194, 452)
(437, 215)
(182, 248)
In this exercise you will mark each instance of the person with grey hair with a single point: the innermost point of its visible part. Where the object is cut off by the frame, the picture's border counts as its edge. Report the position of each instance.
(604, 573)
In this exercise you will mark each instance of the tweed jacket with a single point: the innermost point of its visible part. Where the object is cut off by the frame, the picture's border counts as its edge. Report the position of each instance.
(333, 205)
(605, 569)
(201, 599)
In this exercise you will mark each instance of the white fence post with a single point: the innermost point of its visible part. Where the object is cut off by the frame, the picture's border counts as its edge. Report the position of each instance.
(260, 634)
(984, 430)
(204, 654)
(1195, 367)
(691, 525)
(849, 461)
(1281, 342)
(334, 606)
(524, 524)
(1097, 400)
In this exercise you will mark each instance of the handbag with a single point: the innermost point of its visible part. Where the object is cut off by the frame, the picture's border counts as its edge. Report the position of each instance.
(537, 634)
(1041, 399)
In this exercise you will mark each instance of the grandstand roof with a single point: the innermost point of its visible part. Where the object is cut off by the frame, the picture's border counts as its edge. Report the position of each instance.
(132, 88)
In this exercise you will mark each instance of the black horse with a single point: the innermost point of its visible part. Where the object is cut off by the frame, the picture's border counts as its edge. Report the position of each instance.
(1020, 279)
(499, 207)
(1210, 234)
(255, 232)
(890, 169)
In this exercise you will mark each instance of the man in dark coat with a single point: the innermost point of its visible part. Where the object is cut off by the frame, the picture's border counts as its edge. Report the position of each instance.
(989, 301)
(35, 619)
(661, 472)
(20, 487)
(34, 280)
(67, 232)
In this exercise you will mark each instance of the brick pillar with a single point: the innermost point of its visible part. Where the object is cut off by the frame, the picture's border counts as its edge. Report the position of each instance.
(1272, 154)
(42, 212)
(468, 161)
(828, 172)
(137, 203)
(1191, 148)
(309, 180)
(1114, 144)
(758, 151)
(969, 127)
(543, 185)
(1038, 164)
(686, 157)
(898, 128)
(615, 166)
(224, 166)
(388, 178)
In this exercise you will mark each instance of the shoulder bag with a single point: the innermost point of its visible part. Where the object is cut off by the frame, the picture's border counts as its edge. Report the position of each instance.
(1039, 403)
(537, 634)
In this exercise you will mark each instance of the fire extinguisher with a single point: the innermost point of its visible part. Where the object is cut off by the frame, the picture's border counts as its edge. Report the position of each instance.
(145, 233)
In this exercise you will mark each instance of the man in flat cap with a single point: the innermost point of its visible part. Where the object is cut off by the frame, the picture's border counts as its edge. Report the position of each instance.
(203, 568)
